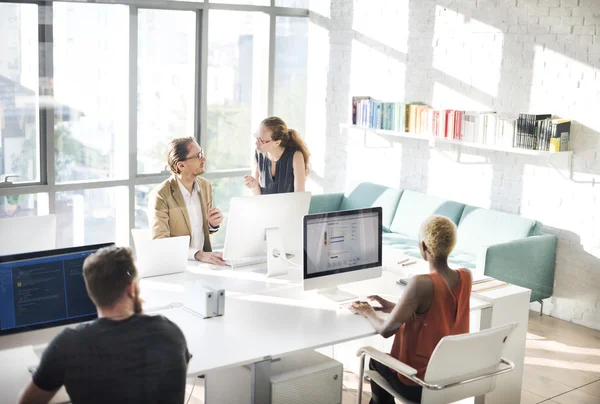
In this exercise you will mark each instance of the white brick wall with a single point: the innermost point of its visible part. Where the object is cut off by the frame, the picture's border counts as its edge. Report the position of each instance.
(506, 55)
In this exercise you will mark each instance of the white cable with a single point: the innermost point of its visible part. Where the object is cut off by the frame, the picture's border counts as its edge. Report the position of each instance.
(191, 392)
(294, 264)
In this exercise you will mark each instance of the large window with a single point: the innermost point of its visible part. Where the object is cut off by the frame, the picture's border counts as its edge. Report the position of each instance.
(19, 92)
(238, 58)
(291, 59)
(122, 79)
(166, 64)
(92, 216)
(91, 78)
(24, 205)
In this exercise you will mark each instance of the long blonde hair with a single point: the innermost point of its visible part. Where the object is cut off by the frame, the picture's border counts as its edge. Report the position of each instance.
(288, 137)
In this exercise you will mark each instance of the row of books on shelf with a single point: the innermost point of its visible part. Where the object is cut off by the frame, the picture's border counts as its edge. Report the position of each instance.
(525, 131)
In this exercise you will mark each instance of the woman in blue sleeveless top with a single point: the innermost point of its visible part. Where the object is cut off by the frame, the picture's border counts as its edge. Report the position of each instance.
(281, 160)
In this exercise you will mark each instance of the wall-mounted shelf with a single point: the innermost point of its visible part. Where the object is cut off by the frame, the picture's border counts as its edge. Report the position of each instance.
(560, 161)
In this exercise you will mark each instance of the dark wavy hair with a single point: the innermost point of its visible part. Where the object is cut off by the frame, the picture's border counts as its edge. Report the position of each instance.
(288, 137)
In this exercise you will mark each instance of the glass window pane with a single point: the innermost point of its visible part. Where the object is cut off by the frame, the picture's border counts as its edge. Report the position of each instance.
(238, 58)
(223, 190)
(291, 58)
(92, 216)
(19, 92)
(91, 75)
(321, 7)
(24, 205)
(245, 2)
(141, 205)
(166, 68)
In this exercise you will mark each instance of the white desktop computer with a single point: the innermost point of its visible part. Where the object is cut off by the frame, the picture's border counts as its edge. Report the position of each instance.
(266, 225)
(341, 247)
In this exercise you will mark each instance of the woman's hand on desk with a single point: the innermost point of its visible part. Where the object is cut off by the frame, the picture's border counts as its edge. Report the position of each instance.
(386, 306)
(361, 308)
(215, 258)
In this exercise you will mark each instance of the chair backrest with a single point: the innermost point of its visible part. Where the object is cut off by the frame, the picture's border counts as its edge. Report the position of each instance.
(27, 234)
(465, 356)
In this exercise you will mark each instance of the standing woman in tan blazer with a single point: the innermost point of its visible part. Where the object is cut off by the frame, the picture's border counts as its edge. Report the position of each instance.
(182, 205)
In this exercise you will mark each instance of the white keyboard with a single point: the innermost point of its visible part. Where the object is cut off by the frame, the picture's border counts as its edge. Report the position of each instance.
(247, 261)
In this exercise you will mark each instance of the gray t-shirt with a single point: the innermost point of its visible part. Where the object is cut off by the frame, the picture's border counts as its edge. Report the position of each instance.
(142, 359)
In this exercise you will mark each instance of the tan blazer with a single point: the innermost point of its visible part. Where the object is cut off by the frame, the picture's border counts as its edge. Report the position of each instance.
(168, 214)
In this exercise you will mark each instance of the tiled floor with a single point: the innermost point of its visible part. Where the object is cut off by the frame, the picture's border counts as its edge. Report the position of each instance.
(562, 366)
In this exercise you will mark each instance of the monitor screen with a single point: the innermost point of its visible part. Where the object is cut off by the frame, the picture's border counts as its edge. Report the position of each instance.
(44, 289)
(339, 242)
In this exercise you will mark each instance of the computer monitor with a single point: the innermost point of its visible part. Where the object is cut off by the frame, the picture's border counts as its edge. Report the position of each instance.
(27, 234)
(272, 223)
(341, 247)
(44, 289)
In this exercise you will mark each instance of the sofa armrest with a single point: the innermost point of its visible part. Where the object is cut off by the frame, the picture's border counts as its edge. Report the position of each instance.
(528, 262)
(325, 203)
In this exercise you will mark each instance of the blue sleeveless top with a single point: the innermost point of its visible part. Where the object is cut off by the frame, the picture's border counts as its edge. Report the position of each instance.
(283, 181)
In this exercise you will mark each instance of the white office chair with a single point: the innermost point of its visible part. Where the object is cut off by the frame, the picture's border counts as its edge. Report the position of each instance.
(461, 366)
(27, 234)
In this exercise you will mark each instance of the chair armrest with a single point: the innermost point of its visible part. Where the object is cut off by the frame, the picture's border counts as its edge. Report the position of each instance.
(528, 262)
(325, 203)
(388, 361)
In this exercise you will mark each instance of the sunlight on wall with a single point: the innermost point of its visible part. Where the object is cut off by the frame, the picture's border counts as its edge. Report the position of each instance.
(454, 179)
(376, 74)
(470, 52)
(445, 97)
(558, 203)
(316, 96)
(382, 22)
(565, 87)
(363, 155)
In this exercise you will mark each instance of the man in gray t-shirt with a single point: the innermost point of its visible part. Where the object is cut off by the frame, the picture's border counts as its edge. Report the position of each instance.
(123, 356)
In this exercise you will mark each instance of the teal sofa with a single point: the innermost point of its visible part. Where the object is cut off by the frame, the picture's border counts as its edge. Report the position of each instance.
(498, 244)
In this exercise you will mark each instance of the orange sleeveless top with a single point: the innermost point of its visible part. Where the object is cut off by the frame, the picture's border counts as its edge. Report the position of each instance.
(448, 314)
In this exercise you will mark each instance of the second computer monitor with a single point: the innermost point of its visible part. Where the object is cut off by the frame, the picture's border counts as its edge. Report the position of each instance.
(341, 247)
(45, 289)
(250, 217)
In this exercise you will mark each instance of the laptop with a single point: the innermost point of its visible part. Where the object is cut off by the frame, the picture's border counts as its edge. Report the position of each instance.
(161, 256)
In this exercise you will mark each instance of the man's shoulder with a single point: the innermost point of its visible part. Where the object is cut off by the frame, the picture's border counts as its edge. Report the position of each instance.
(162, 189)
(203, 183)
(141, 323)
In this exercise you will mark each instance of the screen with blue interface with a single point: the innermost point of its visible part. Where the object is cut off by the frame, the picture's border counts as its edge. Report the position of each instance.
(45, 289)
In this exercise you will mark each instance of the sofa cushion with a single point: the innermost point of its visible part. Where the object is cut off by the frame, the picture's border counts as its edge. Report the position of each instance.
(367, 195)
(415, 207)
(462, 260)
(480, 227)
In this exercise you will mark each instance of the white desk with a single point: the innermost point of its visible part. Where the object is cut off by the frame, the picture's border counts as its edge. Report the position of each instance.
(268, 318)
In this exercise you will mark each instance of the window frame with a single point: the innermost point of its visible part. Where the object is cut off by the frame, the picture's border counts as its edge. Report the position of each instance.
(47, 183)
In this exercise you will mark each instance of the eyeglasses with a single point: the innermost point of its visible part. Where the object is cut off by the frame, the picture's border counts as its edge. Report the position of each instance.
(198, 156)
(260, 140)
